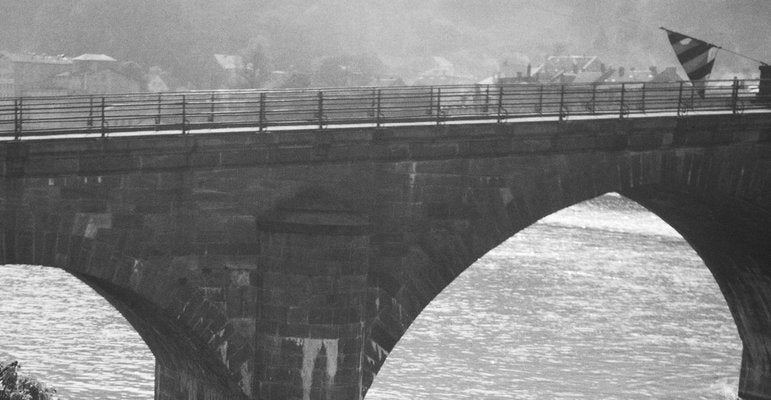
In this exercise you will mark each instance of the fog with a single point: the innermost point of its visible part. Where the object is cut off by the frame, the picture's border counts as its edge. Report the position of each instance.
(383, 37)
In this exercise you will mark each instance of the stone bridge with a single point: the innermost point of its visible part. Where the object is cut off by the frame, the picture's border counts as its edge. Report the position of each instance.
(287, 265)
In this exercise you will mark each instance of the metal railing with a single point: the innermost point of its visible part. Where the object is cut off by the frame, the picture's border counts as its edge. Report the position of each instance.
(184, 112)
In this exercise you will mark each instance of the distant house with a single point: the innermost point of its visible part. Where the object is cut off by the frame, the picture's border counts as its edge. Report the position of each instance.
(645, 75)
(96, 74)
(515, 69)
(565, 69)
(593, 76)
(100, 81)
(30, 74)
(669, 74)
(93, 62)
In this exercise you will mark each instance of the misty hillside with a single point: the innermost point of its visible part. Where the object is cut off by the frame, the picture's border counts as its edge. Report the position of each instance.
(180, 36)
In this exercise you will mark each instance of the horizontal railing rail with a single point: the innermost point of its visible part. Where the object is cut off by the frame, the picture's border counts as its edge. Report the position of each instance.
(184, 112)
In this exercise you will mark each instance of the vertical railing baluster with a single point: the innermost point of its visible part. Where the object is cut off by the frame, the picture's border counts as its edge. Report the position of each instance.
(379, 109)
(594, 98)
(487, 99)
(262, 111)
(540, 100)
(211, 110)
(642, 106)
(431, 101)
(680, 107)
(103, 122)
(158, 116)
(621, 106)
(90, 122)
(693, 98)
(438, 105)
(373, 104)
(500, 104)
(321, 109)
(735, 96)
(184, 115)
(17, 117)
(562, 102)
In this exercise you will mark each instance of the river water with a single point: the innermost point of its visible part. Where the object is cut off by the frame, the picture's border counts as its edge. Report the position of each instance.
(599, 301)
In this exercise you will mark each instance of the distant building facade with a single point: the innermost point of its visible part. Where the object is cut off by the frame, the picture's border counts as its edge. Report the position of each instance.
(103, 81)
(29, 74)
(41, 75)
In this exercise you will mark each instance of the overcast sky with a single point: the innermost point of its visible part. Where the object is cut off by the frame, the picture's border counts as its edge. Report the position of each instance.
(181, 35)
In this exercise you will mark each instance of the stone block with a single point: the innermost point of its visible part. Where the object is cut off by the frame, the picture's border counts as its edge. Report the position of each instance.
(296, 331)
(322, 316)
(107, 163)
(52, 166)
(325, 331)
(201, 159)
(155, 162)
(298, 316)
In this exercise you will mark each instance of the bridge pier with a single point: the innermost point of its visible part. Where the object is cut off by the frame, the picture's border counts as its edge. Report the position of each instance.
(733, 239)
(314, 255)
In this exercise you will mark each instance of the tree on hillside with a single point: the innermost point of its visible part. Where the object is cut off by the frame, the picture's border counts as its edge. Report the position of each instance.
(19, 387)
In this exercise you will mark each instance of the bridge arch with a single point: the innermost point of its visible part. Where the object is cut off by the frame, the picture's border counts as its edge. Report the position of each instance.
(708, 196)
(200, 350)
(559, 304)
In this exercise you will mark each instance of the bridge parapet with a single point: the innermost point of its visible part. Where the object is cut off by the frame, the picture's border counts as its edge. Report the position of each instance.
(188, 112)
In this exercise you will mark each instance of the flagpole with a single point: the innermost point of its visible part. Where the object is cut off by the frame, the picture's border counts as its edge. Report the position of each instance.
(717, 47)
(742, 55)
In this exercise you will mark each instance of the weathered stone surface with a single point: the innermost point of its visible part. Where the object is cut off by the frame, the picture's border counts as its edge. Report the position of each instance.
(287, 265)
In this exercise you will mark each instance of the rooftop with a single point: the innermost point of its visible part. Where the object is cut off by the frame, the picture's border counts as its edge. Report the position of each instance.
(35, 58)
(94, 57)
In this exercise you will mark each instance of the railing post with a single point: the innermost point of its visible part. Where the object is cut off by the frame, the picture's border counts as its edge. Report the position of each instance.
(562, 102)
(735, 96)
(378, 109)
(211, 111)
(500, 104)
(593, 106)
(680, 107)
(103, 123)
(539, 107)
(158, 117)
(621, 106)
(642, 106)
(262, 111)
(487, 99)
(17, 117)
(373, 104)
(438, 105)
(693, 98)
(184, 115)
(90, 122)
(321, 109)
(431, 101)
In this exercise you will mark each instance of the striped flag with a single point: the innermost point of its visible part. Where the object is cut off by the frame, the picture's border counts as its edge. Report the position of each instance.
(697, 57)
